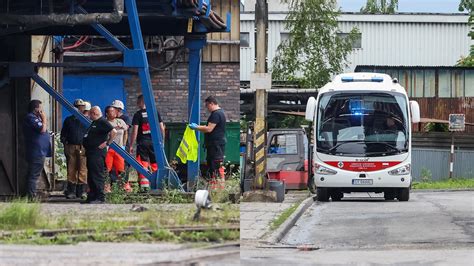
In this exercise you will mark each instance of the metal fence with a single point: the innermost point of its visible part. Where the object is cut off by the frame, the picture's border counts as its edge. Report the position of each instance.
(435, 162)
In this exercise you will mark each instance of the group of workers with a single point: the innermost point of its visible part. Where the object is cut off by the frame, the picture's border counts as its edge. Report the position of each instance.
(88, 158)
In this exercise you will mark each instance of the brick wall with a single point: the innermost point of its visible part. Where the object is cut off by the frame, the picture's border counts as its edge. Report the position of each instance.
(171, 90)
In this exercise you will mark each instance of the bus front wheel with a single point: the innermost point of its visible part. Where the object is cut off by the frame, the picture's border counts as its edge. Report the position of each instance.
(322, 194)
(403, 194)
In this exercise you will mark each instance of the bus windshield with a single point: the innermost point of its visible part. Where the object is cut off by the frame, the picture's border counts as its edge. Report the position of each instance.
(362, 124)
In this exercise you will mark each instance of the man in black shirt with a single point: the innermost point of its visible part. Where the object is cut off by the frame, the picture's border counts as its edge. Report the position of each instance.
(98, 137)
(141, 133)
(214, 138)
(72, 133)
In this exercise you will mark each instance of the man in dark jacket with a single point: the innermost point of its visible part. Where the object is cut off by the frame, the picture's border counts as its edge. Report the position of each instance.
(72, 133)
(214, 140)
(38, 144)
(96, 141)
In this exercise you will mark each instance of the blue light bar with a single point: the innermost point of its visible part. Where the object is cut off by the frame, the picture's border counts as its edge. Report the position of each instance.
(351, 79)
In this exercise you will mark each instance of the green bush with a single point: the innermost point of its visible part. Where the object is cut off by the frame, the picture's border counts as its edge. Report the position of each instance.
(436, 127)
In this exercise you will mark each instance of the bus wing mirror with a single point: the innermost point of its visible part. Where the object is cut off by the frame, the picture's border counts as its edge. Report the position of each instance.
(415, 112)
(310, 109)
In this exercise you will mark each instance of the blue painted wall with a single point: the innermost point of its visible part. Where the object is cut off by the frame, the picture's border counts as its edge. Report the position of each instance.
(99, 90)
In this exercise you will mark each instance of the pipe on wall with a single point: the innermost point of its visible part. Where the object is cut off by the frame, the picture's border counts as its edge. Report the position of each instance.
(67, 19)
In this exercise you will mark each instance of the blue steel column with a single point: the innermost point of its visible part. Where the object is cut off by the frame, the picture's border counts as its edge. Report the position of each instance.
(138, 57)
(195, 46)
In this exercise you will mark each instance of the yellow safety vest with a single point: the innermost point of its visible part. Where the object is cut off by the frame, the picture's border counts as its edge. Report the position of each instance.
(188, 149)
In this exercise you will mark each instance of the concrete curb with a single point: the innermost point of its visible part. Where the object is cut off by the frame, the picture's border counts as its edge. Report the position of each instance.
(283, 229)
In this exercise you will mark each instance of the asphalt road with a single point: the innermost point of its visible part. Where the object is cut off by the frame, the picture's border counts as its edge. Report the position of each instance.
(88, 253)
(433, 228)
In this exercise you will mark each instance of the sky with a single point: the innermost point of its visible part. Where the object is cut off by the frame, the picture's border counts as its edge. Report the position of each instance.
(429, 6)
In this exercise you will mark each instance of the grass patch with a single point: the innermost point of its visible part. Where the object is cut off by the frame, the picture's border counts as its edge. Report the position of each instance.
(283, 216)
(19, 220)
(209, 236)
(158, 235)
(20, 215)
(454, 183)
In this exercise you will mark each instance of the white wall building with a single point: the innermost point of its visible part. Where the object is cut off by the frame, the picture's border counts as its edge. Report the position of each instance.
(404, 39)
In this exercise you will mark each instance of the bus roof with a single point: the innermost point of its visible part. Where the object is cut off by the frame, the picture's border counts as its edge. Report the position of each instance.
(363, 81)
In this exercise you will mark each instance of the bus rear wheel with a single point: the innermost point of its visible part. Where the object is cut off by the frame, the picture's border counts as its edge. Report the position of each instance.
(403, 194)
(322, 194)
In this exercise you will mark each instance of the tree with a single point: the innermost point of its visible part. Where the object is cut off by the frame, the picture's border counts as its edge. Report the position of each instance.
(380, 7)
(313, 51)
(468, 5)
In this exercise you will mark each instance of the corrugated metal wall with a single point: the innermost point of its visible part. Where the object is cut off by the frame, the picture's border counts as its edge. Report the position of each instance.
(437, 40)
(408, 44)
(437, 163)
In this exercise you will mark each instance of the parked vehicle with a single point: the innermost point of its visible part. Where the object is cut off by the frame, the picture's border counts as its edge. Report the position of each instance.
(362, 136)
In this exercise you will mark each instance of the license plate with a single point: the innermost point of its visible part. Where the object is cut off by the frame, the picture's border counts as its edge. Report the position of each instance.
(362, 181)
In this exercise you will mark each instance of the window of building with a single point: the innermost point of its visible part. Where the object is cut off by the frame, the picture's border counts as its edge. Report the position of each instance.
(284, 36)
(244, 40)
(405, 81)
(393, 73)
(418, 83)
(357, 43)
(457, 83)
(444, 84)
(469, 83)
(430, 89)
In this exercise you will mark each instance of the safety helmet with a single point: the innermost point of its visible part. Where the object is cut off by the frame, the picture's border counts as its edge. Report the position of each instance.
(118, 104)
(87, 106)
(79, 102)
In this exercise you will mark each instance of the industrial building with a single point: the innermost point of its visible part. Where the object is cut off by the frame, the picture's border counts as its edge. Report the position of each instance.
(402, 39)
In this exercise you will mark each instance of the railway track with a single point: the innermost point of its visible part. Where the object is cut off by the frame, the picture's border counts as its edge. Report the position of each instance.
(89, 233)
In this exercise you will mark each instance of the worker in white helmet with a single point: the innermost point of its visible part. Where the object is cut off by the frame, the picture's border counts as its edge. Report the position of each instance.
(122, 114)
(72, 134)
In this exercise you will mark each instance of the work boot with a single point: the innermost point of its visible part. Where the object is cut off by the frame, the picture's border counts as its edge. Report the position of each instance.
(81, 191)
(71, 191)
(144, 184)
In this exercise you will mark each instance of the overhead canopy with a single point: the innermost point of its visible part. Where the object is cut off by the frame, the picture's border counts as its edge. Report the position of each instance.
(57, 17)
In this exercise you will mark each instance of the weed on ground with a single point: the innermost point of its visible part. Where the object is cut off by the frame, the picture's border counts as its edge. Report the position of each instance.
(19, 214)
(453, 183)
(22, 222)
(283, 216)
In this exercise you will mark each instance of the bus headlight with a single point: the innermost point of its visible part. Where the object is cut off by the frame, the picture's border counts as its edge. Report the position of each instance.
(321, 170)
(404, 170)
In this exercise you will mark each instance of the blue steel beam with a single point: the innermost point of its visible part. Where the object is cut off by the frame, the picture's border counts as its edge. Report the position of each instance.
(194, 96)
(137, 57)
(84, 120)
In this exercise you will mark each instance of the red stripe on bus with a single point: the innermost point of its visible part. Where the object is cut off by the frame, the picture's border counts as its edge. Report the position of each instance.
(362, 166)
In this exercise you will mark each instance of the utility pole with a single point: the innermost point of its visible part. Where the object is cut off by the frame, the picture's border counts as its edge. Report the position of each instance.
(260, 81)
